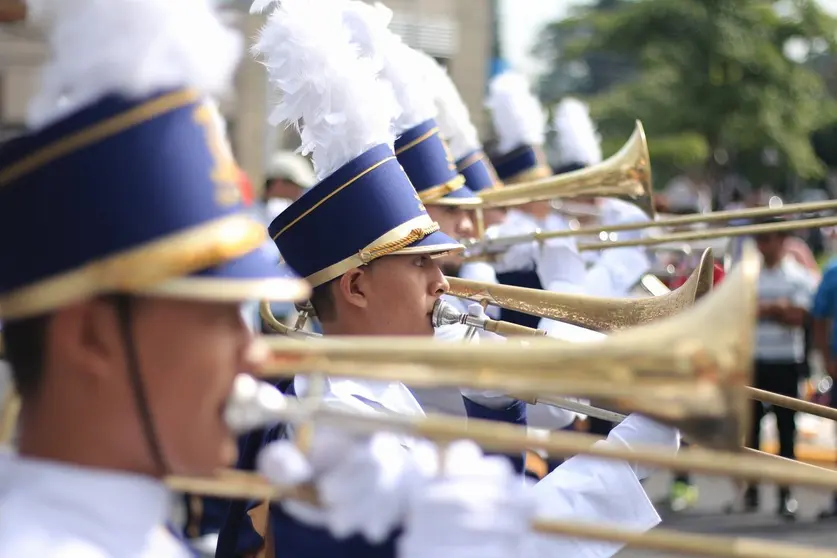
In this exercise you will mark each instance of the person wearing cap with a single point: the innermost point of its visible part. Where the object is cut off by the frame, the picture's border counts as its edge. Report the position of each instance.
(289, 175)
(127, 339)
(431, 165)
(363, 238)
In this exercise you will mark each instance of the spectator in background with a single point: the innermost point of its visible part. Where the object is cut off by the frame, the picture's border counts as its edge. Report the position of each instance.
(289, 175)
(785, 293)
(823, 313)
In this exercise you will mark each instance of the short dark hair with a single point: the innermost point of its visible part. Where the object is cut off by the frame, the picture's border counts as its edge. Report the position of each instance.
(25, 343)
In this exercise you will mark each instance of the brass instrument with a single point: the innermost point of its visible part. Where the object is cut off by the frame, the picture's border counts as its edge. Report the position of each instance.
(692, 380)
(256, 403)
(443, 314)
(626, 176)
(722, 232)
(599, 314)
(700, 218)
(481, 250)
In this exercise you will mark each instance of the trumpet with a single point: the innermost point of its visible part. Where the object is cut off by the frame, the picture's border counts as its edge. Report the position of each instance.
(599, 314)
(626, 176)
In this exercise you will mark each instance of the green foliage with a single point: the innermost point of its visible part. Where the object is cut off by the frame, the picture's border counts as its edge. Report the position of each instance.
(704, 77)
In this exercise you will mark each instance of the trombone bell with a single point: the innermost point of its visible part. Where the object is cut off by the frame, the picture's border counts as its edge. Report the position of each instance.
(626, 176)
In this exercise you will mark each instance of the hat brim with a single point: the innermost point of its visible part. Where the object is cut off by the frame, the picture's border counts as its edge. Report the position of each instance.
(461, 197)
(254, 276)
(436, 243)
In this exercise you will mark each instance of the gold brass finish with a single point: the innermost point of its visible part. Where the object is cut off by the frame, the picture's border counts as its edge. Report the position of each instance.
(676, 369)
(712, 217)
(626, 176)
(721, 232)
(599, 314)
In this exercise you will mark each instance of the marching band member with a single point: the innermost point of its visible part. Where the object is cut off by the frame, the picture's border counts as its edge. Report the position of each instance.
(363, 238)
(126, 340)
(430, 165)
(519, 123)
(471, 162)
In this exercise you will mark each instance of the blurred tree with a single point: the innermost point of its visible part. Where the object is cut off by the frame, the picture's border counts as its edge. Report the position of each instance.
(719, 84)
(581, 73)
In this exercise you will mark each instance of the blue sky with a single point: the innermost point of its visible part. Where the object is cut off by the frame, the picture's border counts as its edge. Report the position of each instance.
(521, 19)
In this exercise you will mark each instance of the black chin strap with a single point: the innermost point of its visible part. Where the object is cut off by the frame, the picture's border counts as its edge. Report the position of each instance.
(124, 313)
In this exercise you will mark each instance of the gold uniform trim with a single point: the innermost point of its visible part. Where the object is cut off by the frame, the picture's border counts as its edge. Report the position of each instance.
(395, 241)
(97, 132)
(141, 267)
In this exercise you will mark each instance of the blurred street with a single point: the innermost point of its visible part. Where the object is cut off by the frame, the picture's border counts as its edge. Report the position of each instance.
(708, 516)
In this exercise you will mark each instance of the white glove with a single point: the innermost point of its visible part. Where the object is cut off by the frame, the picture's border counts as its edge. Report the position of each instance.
(363, 482)
(477, 508)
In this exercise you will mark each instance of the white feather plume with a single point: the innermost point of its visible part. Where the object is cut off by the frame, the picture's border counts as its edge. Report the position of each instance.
(129, 47)
(369, 26)
(518, 116)
(259, 6)
(453, 117)
(577, 140)
(334, 97)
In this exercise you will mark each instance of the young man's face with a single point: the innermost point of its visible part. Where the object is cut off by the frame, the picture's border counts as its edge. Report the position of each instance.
(189, 353)
(400, 294)
(457, 223)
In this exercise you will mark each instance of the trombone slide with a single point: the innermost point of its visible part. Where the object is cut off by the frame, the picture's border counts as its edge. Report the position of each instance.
(256, 404)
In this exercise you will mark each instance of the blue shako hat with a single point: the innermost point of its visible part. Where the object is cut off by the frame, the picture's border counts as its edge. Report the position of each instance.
(125, 177)
(428, 162)
(524, 163)
(478, 171)
(136, 195)
(365, 210)
(520, 124)
(364, 206)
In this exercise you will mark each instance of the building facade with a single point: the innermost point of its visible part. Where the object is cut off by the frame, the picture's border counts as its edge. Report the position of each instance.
(458, 33)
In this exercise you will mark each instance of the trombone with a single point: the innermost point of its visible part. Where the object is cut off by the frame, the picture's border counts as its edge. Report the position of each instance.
(255, 403)
(693, 380)
(722, 232)
(626, 176)
(599, 314)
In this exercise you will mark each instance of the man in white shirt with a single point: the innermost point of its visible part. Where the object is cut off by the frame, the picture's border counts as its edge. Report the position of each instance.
(126, 338)
(785, 295)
